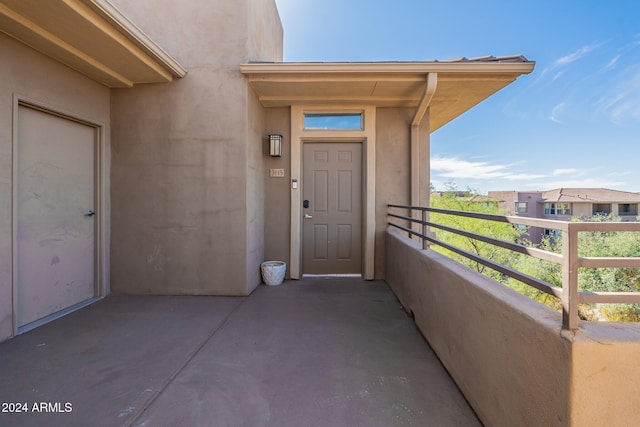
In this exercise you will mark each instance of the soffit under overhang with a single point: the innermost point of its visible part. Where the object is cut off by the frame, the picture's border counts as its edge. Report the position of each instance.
(91, 37)
(460, 85)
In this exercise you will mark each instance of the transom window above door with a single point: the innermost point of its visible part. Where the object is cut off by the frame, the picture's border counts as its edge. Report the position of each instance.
(333, 121)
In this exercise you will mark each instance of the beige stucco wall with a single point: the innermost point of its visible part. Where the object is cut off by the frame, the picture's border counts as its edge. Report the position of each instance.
(187, 156)
(508, 353)
(264, 42)
(254, 197)
(278, 190)
(606, 378)
(393, 171)
(582, 210)
(507, 200)
(31, 75)
(265, 34)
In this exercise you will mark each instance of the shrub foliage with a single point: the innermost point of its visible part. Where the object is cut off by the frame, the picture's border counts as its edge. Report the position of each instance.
(593, 244)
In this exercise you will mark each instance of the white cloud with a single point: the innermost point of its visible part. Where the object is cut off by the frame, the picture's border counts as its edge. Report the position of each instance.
(562, 62)
(572, 57)
(557, 111)
(451, 167)
(623, 173)
(522, 176)
(622, 103)
(455, 168)
(483, 174)
(613, 62)
(568, 171)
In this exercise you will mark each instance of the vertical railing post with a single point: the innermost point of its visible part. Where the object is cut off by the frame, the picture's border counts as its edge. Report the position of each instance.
(411, 214)
(570, 296)
(424, 229)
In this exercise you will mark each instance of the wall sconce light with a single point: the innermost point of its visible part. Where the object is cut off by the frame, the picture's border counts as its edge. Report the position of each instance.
(275, 145)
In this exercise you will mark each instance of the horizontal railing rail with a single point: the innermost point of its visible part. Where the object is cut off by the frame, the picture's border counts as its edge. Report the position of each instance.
(570, 262)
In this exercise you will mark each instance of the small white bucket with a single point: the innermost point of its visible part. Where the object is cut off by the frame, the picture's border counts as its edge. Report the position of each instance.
(273, 272)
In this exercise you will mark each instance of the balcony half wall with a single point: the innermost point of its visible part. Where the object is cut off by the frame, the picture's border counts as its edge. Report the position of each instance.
(508, 354)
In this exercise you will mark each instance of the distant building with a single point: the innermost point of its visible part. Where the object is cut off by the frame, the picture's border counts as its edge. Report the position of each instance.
(565, 203)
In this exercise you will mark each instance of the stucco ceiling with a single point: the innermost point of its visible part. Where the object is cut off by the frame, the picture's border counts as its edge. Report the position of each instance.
(90, 36)
(461, 84)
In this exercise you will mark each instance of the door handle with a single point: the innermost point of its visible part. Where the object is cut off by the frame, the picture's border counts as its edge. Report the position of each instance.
(90, 213)
(307, 216)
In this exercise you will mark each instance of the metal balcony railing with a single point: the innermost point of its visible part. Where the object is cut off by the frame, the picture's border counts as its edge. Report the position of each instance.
(418, 224)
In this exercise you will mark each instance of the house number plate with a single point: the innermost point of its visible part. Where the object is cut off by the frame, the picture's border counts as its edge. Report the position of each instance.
(277, 173)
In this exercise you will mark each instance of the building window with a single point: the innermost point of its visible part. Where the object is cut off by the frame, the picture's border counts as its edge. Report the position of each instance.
(628, 209)
(521, 207)
(552, 232)
(557, 208)
(521, 228)
(337, 121)
(601, 209)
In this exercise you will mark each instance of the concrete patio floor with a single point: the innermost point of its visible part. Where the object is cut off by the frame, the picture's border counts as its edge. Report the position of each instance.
(314, 352)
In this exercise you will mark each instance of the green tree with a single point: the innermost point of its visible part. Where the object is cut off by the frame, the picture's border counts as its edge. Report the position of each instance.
(614, 244)
(470, 201)
(590, 244)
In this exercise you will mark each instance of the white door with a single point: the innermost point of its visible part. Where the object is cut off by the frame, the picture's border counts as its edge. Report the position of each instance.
(55, 224)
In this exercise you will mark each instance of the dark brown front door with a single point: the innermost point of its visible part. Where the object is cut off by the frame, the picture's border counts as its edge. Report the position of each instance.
(332, 209)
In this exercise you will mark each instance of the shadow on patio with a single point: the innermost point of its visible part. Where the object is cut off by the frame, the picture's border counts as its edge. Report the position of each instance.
(315, 352)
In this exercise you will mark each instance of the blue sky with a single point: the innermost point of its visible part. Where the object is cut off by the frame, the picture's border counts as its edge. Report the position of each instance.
(573, 122)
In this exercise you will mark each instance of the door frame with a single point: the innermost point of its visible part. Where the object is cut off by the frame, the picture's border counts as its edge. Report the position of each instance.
(101, 222)
(365, 136)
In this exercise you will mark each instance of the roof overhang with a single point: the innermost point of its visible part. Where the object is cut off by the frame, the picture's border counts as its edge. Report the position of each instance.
(90, 36)
(461, 84)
